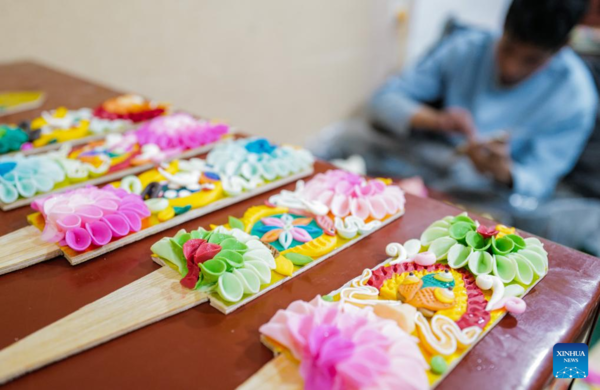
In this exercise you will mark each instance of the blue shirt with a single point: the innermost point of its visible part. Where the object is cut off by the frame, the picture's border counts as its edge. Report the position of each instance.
(549, 116)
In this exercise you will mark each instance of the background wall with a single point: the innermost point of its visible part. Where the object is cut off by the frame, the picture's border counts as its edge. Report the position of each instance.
(428, 18)
(283, 69)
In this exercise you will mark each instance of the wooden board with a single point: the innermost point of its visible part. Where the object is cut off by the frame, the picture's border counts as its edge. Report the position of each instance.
(279, 373)
(25, 247)
(106, 178)
(282, 372)
(35, 250)
(223, 307)
(143, 302)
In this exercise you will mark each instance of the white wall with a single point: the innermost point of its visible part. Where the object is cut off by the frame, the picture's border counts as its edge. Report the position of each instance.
(428, 18)
(283, 69)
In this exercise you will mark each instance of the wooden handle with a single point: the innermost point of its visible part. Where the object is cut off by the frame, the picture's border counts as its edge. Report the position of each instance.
(143, 302)
(25, 247)
(279, 373)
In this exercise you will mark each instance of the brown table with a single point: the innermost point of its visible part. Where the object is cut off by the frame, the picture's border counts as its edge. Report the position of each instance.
(202, 348)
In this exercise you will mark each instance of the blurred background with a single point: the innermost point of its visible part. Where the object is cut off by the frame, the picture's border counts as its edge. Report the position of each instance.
(215, 57)
(283, 70)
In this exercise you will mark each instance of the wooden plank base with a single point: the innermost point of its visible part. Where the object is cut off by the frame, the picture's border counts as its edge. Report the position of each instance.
(25, 247)
(279, 373)
(223, 307)
(178, 220)
(282, 372)
(145, 301)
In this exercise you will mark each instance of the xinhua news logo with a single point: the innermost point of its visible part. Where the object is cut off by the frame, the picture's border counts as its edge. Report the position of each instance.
(570, 360)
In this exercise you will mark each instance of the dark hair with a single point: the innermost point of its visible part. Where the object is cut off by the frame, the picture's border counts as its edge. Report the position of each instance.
(544, 23)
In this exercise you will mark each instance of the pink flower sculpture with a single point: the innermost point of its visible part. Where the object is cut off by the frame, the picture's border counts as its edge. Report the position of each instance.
(341, 346)
(90, 215)
(179, 131)
(346, 193)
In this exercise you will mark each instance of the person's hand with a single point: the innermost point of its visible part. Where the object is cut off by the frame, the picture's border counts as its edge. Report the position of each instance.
(457, 120)
(453, 120)
(492, 157)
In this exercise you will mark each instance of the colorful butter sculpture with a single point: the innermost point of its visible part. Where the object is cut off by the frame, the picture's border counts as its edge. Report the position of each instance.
(86, 222)
(61, 125)
(228, 265)
(446, 289)
(130, 107)
(157, 140)
(183, 185)
(11, 138)
(276, 241)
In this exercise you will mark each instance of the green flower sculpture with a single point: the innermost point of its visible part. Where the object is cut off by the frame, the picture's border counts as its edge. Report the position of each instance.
(230, 262)
(499, 251)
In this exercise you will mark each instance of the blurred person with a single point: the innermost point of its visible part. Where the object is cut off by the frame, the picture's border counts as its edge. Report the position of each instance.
(516, 111)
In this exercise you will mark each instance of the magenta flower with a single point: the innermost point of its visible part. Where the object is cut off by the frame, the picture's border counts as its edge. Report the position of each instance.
(90, 215)
(179, 131)
(341, 346)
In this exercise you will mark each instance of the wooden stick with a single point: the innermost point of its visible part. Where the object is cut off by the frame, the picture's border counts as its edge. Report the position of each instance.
(143, 302)
(279, 373)
(25, 247)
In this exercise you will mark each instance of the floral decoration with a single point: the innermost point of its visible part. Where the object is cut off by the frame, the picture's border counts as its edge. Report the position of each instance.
(341, 346)
(349, 194)
(90, 216)
(230, 262)
(286, 229)
(130, 107)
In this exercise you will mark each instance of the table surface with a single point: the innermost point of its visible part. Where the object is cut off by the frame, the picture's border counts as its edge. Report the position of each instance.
(204, 348)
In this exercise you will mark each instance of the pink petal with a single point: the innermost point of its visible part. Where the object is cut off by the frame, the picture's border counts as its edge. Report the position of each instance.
(377, 205)
(89, 213)
(99, 232)
(326, 224)
(51, 234)
(273, 222)
(326, 197)
(391, 204)
(134, 221)
(300, 235)
(117, 223)
(366, 190)
(334, 349)
(340, 205)
(69, 222)
(108, 205)
(137, 207)
(78, 239)
(343, 188)
(316, 378)
(359, 207)
(357, 375)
